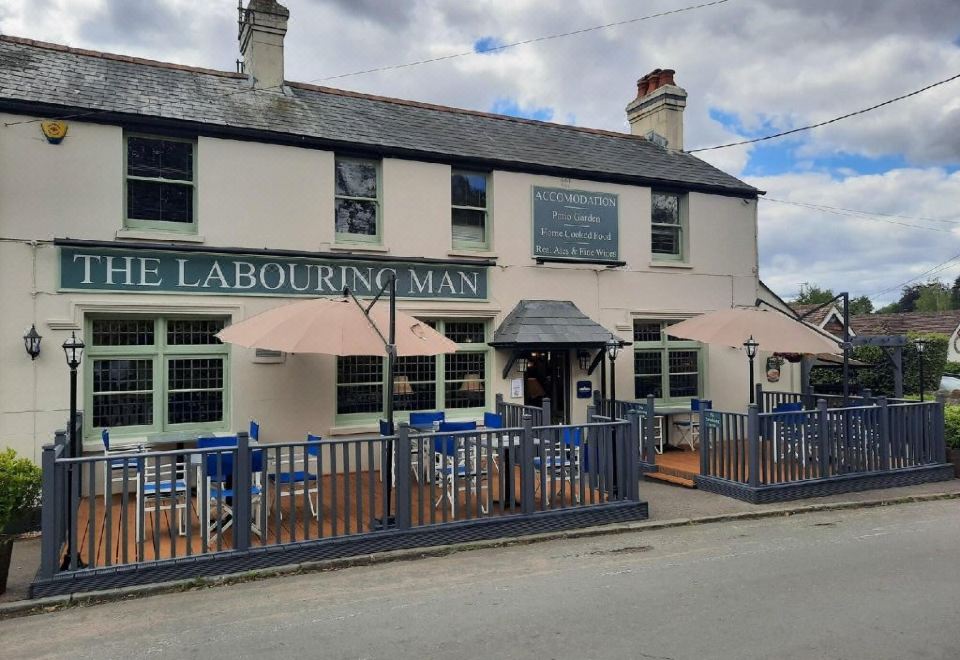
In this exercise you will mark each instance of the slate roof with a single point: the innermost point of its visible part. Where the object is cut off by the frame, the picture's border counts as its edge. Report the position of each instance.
(545, 323)
(817, 318)
(899, 324)
(100, 86)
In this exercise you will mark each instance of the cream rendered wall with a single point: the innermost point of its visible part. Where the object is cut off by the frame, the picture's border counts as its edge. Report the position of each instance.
(266, 196)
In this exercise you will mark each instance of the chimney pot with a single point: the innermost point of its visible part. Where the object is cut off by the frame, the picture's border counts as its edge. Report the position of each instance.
(658, 113)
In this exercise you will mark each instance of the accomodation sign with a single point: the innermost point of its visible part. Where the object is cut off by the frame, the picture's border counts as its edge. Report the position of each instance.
(110, 269)
(575, 225)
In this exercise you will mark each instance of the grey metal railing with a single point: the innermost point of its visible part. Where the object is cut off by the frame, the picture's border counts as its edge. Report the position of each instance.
(646, 411)
(766, 449)
(225, 500)
(513, 413)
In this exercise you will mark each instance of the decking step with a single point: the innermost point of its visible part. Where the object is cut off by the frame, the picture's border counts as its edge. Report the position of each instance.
(671, 479)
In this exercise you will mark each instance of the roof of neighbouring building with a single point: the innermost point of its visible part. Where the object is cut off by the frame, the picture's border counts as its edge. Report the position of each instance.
(899, 324)
(39, 78)
(546, 323)
(817, 318)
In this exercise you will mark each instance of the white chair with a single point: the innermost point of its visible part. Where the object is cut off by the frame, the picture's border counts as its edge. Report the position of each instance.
(689, 428)
(561, 459)
(658, 434)
(161, 486)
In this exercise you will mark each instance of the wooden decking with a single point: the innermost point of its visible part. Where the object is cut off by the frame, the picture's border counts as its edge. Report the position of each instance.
(349, 504)
(678, 467)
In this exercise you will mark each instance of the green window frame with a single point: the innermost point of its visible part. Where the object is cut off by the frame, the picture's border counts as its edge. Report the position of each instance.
(673, 370)
(349, 203)
(138, 184)
(151, 374)
(470, 206)
(457, 382)
(668, 226)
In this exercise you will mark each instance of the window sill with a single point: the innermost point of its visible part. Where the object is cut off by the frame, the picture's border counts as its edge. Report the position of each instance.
(479, 254)
(682, 265)
(358, 247)
(164, 236)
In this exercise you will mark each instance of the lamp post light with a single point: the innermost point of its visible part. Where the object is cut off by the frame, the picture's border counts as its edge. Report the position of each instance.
(613, 348)
(920, 344)
(751, 346)
(73, 351)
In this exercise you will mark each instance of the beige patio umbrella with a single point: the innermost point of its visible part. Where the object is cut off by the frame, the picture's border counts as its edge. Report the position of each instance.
(335, 326)
(774, 331)
(343, 326)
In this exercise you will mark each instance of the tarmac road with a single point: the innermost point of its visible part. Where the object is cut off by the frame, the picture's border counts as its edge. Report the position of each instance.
(868, 583)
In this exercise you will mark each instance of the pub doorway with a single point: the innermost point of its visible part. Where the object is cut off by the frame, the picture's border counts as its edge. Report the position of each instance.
(548, 375)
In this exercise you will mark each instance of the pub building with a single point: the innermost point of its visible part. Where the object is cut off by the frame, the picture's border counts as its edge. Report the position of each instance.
(146, 205)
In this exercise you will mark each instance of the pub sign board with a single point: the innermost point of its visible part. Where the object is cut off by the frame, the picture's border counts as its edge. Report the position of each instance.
(163, 271)
(575, 225)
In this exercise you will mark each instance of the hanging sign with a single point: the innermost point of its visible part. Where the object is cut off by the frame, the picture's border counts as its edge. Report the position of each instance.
(773, 368)
(575, 225)
(162, 271)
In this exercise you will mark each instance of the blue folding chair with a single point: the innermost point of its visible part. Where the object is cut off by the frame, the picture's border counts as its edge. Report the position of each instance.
(562, 459)
(452, 462)
(492, 420)
(689, 429)
(423, 421)
(113, 465)
(254, 430)
(219, 484)
(788, 425)
(291, 478)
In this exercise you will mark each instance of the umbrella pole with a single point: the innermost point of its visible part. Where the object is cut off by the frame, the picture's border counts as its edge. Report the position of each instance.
(391, 368)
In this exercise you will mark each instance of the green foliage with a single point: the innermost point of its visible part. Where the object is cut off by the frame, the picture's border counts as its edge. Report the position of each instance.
(934, 297)
(861, 305)
(879, 379)
(20, 485)
(811, 294)
(951, 415)
(951, 368)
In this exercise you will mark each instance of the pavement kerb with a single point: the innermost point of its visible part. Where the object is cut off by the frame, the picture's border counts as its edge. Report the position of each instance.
(54, 603)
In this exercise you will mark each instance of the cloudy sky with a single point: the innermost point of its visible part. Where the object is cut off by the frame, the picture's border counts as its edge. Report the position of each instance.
(751, 67)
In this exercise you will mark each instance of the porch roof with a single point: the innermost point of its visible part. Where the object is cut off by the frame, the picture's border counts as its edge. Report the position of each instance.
(550, 324)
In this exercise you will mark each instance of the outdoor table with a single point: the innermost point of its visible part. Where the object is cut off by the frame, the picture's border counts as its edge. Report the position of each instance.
(671, 411)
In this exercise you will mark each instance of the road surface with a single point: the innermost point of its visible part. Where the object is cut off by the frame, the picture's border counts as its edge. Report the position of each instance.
(872, 583)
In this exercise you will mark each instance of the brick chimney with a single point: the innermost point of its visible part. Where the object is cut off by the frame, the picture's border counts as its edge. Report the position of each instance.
(657, 112)
(262, 27)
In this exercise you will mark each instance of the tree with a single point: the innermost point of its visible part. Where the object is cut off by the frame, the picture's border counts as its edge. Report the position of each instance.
(811, 294)
(934, 297)
(861, 305)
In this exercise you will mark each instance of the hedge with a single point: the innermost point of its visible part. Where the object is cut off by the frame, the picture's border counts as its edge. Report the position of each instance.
(879, 378)
(951, 416)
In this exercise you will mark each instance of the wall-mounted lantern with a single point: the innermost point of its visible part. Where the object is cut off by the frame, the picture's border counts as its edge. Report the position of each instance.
(31, 342)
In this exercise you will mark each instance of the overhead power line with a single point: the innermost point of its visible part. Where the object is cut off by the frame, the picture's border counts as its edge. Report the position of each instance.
(391, 67)
(829, 121)
(866, 215)
(942, 266)
(523, 42)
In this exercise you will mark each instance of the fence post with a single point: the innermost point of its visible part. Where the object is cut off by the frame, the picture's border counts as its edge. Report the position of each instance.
(867, 396)
(498, 403)
(526, 465)
(547, 418)
(824, 438)
(939, 429)
(704, 439)
(633, 451)
(753, 434)
(596, 398)
(884, 423)
(591, 413)
(759, 398)
(650, 423)
(49, 545)
(402, 496)
(241, 492)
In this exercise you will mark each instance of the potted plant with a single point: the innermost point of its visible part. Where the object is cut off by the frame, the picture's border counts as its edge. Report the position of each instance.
(951, 414)
(20, 484)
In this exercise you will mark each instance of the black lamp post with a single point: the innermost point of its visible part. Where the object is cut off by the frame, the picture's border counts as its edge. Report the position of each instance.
(73, 350)
(751, 346)
(613, 348)
(31, 342)
(920, 344)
